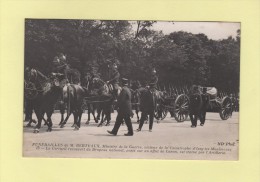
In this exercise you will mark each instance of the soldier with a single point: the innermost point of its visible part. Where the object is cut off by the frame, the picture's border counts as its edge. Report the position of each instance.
(153, 81)
(115, 80)
(195, 105)
(59, 63)
(124, 110)
(205, 103)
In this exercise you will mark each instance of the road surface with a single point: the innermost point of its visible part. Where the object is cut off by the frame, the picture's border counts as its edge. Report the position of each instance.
(216, 140)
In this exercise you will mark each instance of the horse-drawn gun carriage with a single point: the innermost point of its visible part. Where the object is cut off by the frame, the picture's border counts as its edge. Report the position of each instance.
(178, 105)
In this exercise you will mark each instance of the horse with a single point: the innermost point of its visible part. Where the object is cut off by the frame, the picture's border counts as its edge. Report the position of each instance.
(46, 98)
(91, 97)
(34, 80)
(73, 96)
(72, 76)
(105, 98)
(136, 102)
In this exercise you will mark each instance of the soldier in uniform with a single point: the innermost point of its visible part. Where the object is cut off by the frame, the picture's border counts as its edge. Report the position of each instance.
(153, 81)
(114, 80)
(59, 63)
(124, 110)
(205, 102)
(195, 105)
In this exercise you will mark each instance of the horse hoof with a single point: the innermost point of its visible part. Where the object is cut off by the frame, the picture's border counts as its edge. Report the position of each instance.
(28, 125)
(87, 123)
(100, 125)
(73, 125)
(107, 124)
(33, 121)
(36, 131)
(96, 121)
(76, 128)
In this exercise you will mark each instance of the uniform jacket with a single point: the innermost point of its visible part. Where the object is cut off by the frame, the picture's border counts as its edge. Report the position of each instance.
(115, 77)
(195, 104)
(205, 101)
(124, 101)
(153, 81)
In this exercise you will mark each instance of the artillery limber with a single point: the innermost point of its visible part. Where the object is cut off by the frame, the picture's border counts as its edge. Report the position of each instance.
(178, 105)
(176, 102)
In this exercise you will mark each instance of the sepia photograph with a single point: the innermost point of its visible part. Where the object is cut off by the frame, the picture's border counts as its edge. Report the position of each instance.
(124, 89)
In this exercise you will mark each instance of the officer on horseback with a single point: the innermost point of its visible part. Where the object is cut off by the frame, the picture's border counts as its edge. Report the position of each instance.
(114, 81)
(59, 63)
(153, 81)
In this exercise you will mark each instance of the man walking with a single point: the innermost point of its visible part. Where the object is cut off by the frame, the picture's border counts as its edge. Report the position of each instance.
(195, 105)
(205, 102)
(147, 108)
(124, 110)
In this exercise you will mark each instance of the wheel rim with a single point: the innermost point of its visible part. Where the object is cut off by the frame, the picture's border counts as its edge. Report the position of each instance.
(181, 108)
(226, 108)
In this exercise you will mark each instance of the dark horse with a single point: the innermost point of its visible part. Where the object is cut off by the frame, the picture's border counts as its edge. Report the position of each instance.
(34, 81)
(72, 76)
(73, 96)
(46, 95)
(104, 99)
(136, 102)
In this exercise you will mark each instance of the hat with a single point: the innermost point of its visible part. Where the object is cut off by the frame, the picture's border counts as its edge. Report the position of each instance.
(124, 81)
(204, 89)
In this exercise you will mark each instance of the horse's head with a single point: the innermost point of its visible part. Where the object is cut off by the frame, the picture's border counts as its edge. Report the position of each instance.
(31, 74)
(99, 86)
(58, 79)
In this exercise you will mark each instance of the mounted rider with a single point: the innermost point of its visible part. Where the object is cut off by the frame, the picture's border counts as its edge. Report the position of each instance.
(59, 63)
(153, 81)
(114, 81)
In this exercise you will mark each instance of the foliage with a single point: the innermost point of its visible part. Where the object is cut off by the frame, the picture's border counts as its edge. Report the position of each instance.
(180, 58)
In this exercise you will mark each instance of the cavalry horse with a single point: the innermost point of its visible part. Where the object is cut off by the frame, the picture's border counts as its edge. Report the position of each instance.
(105, 99)
(44, 92)
(73, 96)
(34, 81)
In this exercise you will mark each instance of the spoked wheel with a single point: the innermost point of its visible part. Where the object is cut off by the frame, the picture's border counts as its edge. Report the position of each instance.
(181, 108)
(30, 90)
(160, 112)
(225, 108)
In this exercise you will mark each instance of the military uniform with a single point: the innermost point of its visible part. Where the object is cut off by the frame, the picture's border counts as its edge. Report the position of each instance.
(153, 82)
(194, 106)
(115, 81)
(205, 102)
(124, 111)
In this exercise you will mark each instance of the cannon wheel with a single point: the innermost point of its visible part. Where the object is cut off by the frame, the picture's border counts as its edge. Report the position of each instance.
(30, 90)
(181, 108)
(225, 108)
(160, 109)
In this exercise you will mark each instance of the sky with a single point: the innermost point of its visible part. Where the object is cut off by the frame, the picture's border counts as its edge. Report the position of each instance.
(214, 30)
